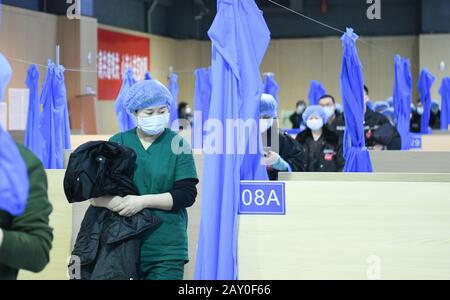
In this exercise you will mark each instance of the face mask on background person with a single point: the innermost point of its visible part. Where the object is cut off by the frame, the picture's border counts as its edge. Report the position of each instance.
(314, 124)
(300, 109)
(153, 125)
(265, 124)
(420, 110)
(329, 111)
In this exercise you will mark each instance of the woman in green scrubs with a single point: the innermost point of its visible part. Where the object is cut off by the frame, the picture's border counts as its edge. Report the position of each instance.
(166, 178)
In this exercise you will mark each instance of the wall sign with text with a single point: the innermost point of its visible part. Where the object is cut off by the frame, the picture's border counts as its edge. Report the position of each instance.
(262, 198)
(416, 141)
(117, 52)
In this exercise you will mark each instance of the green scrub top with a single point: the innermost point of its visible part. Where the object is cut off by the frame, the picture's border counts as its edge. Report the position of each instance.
(158, 168)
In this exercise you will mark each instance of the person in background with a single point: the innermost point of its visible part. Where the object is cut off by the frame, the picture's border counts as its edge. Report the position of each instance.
(185, 112)
(288, 156)
(165, 177)
(368, 103)
(296, 117)
(416, 117)
(435, 116)
(26, 240)
(323, 147)
(336, 121)
(390, 115)
(380, 106)
(379, 132)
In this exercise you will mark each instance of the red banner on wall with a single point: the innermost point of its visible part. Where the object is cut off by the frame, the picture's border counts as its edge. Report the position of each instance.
(117, 52)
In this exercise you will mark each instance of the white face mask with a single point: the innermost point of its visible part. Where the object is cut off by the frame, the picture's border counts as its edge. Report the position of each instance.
(265, 124)
(329, 111)
(420, 110)
(314, 124)
(153, 125)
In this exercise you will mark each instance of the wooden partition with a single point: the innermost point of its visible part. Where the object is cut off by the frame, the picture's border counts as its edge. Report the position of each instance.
(410, 161)
(439, 141)
(352, 226)
(337, 226)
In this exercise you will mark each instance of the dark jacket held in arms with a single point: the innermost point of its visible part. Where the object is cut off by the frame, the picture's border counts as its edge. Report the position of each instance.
(108, 245)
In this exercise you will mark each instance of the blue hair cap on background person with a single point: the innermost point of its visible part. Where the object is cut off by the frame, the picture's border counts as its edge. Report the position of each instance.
(268, 106)
(315, 110)
(147, 93)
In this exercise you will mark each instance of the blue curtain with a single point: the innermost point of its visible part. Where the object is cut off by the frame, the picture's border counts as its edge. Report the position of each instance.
(445, 106)
(202, 101)
(316, 91)
(352, 90)
(54, 119)
(426, 80)
(240, 38)
(14, 182)
(271, 86)
(33, 137)
(402, 99)
(173, 88)
(125, 120)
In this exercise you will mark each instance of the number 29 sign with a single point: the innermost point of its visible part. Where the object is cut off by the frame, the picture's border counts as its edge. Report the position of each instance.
(262, 198)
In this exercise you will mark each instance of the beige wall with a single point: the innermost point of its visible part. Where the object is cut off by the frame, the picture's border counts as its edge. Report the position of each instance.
(298, 61)
(435, 48)
(398, 233)
(33, 36)
(30, 36)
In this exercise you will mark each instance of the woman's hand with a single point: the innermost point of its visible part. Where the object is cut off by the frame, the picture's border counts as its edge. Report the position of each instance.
(129, 206)
(108, 202)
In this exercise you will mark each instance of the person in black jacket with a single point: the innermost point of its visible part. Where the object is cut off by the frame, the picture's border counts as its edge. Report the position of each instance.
(296, 117)
(379, 132)
(323, 149)
(335, 120)
(282, 152)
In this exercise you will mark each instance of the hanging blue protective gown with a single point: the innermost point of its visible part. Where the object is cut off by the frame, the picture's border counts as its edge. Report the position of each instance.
(352, 90)
(33, 137)
(402, 99)
(426, 80)
(316, 91)
(240, 38)
(271, 86)
(202, 101)
(14, 184)
(125, 120)
(445, 106)
(174, 90)
(54, 119)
